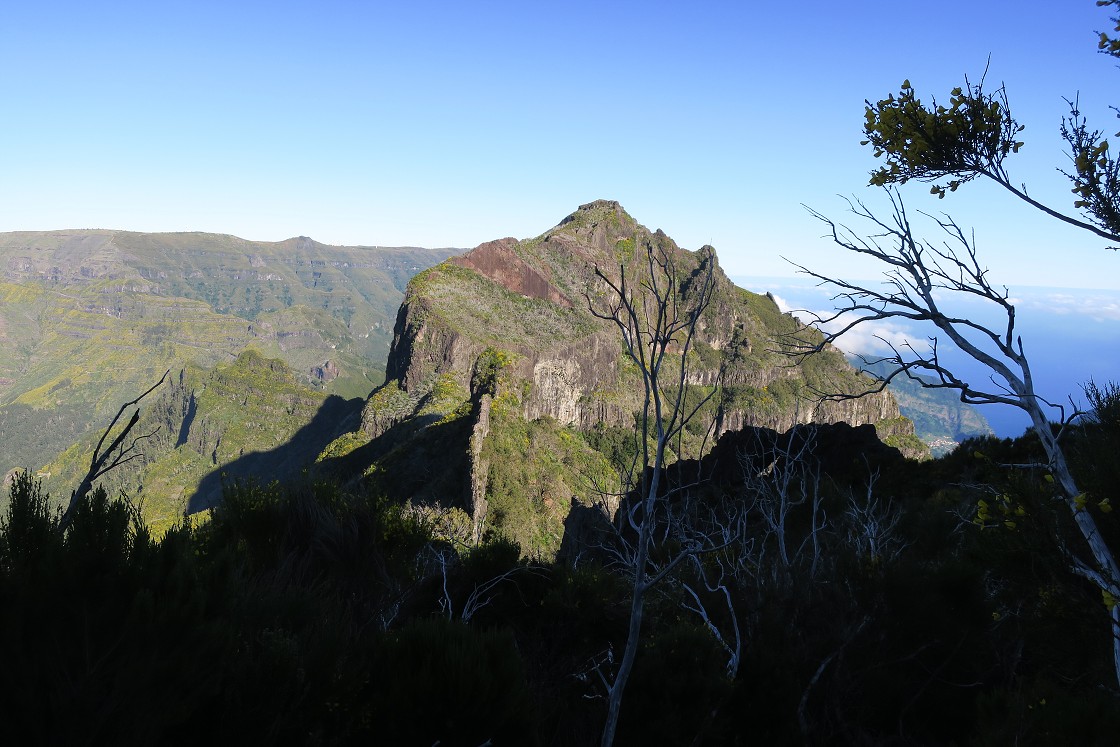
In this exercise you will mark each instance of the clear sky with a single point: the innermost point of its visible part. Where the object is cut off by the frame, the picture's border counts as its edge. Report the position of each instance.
(452, 123)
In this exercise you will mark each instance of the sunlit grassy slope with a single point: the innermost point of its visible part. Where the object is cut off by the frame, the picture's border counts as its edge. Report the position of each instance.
(89, 319)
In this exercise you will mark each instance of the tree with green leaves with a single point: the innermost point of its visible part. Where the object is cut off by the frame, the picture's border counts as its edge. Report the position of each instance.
(972, 135)
(1110, 45)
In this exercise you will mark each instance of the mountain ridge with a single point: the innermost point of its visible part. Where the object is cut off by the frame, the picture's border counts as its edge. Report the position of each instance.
(497, 351)
(91, 318)
(557, 268)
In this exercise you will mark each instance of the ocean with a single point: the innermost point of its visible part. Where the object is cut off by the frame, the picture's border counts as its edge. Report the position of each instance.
(1069, 336)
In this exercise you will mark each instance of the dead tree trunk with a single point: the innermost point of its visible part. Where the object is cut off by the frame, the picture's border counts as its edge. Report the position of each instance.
(657, 321)
(921, 276)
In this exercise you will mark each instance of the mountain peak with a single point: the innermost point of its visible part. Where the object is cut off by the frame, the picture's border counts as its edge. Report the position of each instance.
(531, 299)
(505, 339)
(594, 213)
(602, 205)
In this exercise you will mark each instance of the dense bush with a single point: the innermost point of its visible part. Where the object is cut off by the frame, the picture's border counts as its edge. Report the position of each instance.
(307, 614)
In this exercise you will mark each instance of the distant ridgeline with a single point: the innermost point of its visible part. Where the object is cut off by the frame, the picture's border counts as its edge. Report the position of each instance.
(507, 400)
(90, 319)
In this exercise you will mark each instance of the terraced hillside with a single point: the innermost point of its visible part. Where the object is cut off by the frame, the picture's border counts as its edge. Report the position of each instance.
(88, 319)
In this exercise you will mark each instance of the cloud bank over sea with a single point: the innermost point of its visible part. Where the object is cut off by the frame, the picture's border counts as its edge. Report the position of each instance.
(1070, 336)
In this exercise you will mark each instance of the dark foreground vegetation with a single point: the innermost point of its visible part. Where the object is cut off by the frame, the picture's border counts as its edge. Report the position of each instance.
(936, 607)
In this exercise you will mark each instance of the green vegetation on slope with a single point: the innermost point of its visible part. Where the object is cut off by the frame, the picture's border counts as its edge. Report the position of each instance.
(538, 469)
(88, 319)
(940, 418)
(472, 305)
(252, 417)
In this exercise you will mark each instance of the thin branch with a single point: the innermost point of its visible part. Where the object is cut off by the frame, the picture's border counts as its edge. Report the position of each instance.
(104, 461)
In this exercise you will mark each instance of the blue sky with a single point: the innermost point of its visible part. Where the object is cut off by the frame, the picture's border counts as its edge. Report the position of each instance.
(449, 124)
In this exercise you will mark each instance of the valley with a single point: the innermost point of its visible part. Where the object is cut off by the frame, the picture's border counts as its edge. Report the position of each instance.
(91, 318)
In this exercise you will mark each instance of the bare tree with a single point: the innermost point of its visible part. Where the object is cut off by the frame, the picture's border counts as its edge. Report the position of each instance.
(716, 577)
(446, 560)
(114, 456)
(921, 281)
(786, 481)
(872, 524)
(657, 318)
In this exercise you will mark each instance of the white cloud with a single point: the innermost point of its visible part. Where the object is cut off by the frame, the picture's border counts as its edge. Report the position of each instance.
(867, 338)
(783, 304)
(1099, 307)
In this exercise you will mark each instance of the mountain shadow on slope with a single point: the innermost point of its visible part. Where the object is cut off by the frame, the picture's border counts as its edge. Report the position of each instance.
(424, 461)
(842, 454)
(285, 462)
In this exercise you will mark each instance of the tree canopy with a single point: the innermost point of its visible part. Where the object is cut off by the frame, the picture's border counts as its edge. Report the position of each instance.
(950, 145)
(1110, 45)
(972, 135)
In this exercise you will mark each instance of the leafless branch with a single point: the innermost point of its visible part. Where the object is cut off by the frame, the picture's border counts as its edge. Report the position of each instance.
(112, 457)
(657, 321)
(918, 273)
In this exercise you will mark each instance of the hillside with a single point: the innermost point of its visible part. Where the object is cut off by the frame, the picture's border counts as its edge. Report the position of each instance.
(500, 371)
(88, 319)
(940, 418)
(437, 563)
(252, 419)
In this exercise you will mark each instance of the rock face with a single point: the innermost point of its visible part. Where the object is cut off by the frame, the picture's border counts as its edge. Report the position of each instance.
(510, 326)
(498, 261)
(532, 299)
(328, 371)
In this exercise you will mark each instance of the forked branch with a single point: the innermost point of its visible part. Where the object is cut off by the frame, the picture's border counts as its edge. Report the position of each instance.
(114, 456)
(920, 276)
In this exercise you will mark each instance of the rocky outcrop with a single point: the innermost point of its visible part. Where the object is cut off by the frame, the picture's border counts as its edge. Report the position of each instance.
(328, 371)
(500, 354)
(479, 466)
(498, 261)
(533, 300)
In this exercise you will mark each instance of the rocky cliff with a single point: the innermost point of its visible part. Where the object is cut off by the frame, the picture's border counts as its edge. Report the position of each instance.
(513, 320)
(531, 300)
